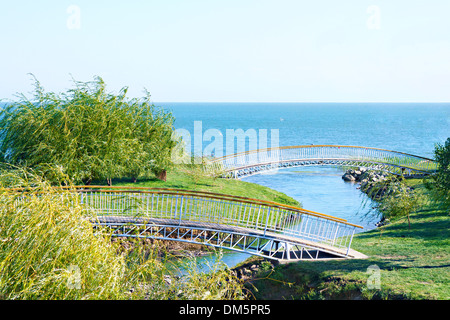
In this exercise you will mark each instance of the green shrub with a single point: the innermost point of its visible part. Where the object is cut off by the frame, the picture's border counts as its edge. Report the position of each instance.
(87, 132)
(439, 183)
(48, 249)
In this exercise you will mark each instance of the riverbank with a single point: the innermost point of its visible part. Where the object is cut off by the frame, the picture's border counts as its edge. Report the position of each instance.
(375, 184)
(180, 178)
(405, 262)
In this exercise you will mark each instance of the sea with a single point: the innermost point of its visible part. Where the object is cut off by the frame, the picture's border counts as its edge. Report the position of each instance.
(413, 128)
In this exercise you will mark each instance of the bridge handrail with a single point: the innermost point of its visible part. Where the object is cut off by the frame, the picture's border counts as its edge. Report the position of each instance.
(179, 207)
(313, 146)
(205, 194)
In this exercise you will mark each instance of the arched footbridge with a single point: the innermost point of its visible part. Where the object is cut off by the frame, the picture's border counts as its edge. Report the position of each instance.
(248, 163)
(263, 228)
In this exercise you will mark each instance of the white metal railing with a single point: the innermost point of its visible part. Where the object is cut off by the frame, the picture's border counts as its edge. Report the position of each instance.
(324, 152)
(178, 207)
(183, 206)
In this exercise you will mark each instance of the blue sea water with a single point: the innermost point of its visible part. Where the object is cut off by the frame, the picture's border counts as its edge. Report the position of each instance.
(406, 127)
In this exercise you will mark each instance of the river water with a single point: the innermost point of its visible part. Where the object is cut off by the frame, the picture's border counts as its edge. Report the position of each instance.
(407, 127)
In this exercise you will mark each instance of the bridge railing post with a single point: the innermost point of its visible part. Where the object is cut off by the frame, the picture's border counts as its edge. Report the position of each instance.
(335, 234)
(267, 221)
(350, 242)
(181, 209)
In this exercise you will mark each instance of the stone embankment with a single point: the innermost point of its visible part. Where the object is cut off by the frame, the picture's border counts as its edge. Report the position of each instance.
(368, 180)
(377, 185)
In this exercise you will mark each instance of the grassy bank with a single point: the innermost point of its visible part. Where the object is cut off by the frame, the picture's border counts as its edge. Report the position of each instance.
(182, 179)
(413, 262)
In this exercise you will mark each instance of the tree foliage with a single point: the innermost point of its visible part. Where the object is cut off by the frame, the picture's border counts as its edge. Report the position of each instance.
(442, 157)
(439, 184)
(402, 202)
(88, 133)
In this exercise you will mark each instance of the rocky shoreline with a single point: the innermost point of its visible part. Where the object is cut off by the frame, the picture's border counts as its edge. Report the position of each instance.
(376, 185)
(367, 180)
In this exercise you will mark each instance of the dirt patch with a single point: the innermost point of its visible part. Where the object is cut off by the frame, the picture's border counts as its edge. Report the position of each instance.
(162, 247)
(393, 257)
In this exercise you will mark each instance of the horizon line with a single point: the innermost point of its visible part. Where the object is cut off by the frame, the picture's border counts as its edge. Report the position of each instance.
(301, 101)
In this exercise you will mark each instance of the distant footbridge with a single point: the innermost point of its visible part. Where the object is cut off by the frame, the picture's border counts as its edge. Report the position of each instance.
(248, 163)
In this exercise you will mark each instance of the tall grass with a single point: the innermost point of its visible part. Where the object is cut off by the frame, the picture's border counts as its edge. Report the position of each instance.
(49, 250)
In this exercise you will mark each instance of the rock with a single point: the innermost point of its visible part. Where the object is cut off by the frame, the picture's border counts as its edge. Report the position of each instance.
(254, 268)
(348, 177)
(382, 222)
(244, 273)
(167, 280)
(364, 183)
(364, 175)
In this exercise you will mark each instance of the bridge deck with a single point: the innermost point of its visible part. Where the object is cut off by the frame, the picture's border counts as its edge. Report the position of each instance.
(232, 229)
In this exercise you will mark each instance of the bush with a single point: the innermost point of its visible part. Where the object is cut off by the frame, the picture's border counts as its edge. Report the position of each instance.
(439, 183)
(48, 249)
(442, 157)
(396, 199)
(401, 203)
(89, 133)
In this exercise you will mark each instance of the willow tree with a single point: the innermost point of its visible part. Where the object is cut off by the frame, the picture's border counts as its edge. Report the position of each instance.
(87, 133)
(439, 183)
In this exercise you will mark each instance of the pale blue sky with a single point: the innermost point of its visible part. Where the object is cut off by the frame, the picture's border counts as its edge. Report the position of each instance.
(229, 50)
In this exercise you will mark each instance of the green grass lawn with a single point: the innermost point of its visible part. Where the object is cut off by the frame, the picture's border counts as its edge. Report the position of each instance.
(177, 178)
(414, 263)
